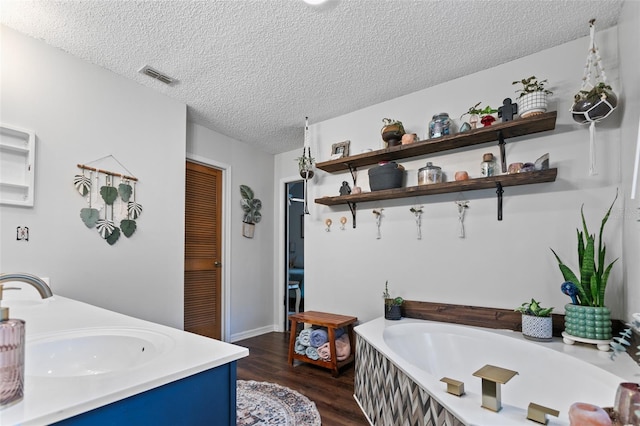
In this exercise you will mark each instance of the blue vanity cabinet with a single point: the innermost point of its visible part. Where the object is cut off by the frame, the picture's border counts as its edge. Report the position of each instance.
(206, 398)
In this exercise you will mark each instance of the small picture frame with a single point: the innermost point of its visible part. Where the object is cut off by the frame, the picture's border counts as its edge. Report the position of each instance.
(340, 149)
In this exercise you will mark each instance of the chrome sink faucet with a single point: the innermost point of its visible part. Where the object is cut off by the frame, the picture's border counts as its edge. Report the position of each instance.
(42, 287)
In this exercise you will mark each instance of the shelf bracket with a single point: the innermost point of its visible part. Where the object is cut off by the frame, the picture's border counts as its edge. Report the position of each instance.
(499, 191)
(354, 173)
(352, 207)
(503, 156)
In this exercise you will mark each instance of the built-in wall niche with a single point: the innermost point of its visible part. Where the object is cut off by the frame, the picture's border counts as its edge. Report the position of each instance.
(17, 167)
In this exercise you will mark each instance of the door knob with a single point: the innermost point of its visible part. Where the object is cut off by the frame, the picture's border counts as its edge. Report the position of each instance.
(217, 264)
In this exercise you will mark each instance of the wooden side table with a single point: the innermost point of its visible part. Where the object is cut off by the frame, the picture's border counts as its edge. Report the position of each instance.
(331, 322)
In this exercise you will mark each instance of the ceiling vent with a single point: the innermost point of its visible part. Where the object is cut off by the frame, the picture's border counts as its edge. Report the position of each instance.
(153, 73)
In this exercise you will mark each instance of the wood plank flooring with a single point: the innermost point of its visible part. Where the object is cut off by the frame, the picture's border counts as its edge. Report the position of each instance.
(267, 362)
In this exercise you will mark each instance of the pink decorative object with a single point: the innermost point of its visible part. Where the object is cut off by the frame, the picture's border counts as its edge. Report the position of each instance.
(627, 403)
(583, 414)
(461, 175)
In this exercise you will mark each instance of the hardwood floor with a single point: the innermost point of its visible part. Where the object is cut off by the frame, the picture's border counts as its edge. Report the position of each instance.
(267, 362)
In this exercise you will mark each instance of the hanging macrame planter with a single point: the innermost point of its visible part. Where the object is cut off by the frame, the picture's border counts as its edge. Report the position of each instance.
(595, 101)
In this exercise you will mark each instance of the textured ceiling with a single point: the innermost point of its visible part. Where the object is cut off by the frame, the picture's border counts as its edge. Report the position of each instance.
(254, 69)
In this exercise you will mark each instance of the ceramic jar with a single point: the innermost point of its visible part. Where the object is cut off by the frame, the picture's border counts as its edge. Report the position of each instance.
(537, 328)
(439, 125)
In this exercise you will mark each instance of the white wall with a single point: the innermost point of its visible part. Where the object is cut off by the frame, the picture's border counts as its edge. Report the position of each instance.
(629, 34)
(80, 113)
(498, 264)
(250, 267)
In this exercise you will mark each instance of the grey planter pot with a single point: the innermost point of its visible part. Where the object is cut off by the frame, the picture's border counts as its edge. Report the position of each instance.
(392, 312)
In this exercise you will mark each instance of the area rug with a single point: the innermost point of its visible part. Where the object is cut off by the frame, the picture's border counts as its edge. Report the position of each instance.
(264, 403)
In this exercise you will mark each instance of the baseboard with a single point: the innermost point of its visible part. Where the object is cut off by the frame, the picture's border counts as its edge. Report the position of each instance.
(252, 333)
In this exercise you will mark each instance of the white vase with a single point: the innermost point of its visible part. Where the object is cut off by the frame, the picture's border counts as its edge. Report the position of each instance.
(537, 328)
(532, 104)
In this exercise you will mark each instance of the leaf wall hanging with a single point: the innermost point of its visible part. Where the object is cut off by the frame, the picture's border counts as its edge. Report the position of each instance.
(121, 199)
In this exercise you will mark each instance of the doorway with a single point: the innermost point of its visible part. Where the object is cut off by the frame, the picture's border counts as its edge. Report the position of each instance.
(294, 247)
(202, 250)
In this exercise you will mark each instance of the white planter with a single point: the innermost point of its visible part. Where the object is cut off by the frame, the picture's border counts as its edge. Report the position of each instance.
(537, 328)
(532, 104)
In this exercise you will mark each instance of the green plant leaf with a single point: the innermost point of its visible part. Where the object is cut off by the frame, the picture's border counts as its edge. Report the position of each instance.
(113, 237)
(256, 204)
(588, 268)
(257, 217)
(246, 205)
(246, 192)
(89, 216)
(109, 194)
(128, 227)
(125, 190)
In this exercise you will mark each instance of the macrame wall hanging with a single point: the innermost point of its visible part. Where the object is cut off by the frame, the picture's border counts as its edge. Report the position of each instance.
(108, 204)
(595, 101)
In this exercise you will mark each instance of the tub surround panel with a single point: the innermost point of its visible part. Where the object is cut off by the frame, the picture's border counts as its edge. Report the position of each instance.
(390, 397)
(479, 316)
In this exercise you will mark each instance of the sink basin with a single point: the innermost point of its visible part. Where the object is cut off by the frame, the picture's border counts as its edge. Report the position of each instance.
(93, 351)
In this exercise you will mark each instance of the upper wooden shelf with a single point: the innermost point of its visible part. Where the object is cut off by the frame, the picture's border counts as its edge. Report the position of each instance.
(515, 179)
(509, 129)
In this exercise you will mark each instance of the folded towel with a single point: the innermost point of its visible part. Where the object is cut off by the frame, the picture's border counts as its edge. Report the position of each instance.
(343, 349)
(318, 337)
(299, 348)
(339, 332)
(304, 336)
(324, 352)
(312, 353)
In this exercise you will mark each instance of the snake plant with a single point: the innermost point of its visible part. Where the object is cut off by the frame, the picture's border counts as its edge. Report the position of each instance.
(593, 273)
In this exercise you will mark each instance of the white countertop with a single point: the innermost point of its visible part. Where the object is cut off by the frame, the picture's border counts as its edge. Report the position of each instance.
(48, 399)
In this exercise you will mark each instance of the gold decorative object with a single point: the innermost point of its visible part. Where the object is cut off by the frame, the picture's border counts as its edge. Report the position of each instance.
(492, 377)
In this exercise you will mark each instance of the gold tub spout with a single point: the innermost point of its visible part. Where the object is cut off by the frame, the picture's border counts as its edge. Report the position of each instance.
(492, 377)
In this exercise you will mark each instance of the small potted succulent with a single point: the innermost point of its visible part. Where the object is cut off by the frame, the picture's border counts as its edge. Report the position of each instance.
(532, 98)
(393, 306)
(594, 104)
(392, 131)
(536, 321)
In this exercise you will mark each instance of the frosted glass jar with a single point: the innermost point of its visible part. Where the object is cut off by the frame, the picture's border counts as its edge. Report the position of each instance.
(429, 174)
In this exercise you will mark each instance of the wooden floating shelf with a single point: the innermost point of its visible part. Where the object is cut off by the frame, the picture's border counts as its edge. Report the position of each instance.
(509, 129)
(526, 178)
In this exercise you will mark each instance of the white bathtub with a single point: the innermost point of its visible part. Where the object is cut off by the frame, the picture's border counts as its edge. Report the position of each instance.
(550, 374)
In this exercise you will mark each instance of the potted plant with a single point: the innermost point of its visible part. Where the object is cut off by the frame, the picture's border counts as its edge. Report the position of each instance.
(594, 104)
(588, 317)
(392, 305)
(306, 164)
(392, 131)
(536, 321)
(251, 207)
(474, 113)
(532, 98)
